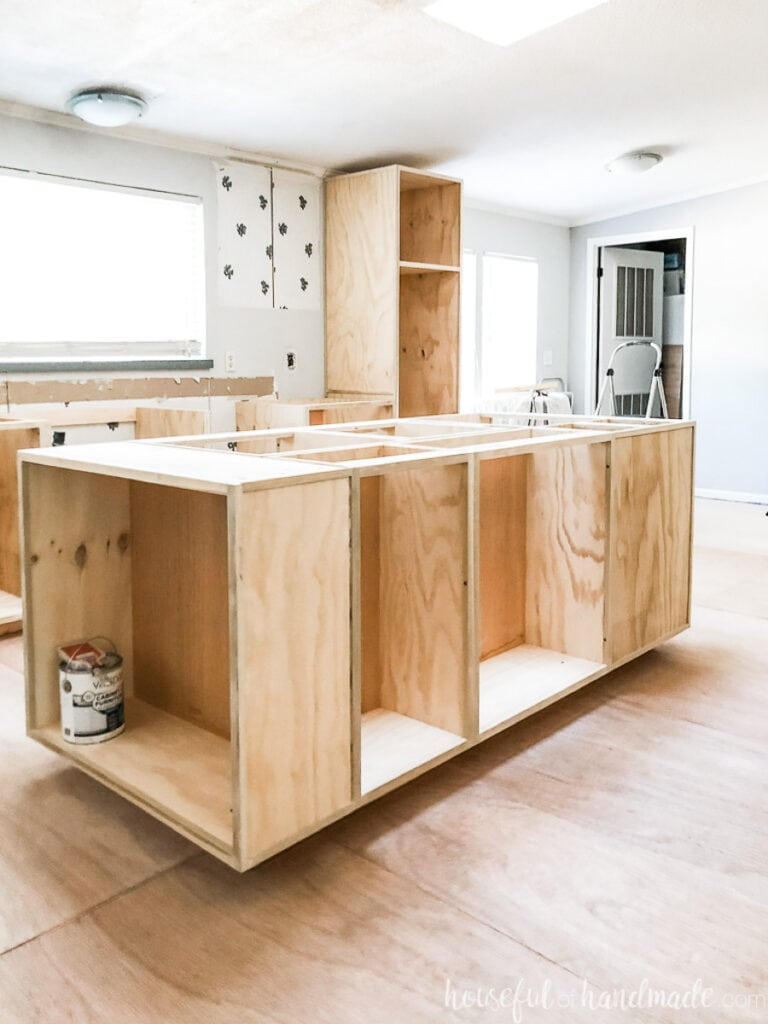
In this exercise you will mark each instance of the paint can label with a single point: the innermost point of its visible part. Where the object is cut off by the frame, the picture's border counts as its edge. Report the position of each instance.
(92, 708)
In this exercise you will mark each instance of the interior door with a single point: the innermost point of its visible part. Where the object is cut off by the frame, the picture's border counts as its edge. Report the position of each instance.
(631, 309)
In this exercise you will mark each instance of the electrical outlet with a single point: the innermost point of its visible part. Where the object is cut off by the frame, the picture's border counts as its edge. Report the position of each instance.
(290, 360)
(229, 362)
(548, 357)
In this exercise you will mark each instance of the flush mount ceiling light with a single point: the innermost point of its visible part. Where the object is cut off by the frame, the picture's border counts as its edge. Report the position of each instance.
(503, 21)
(107, 108)
(633, 163)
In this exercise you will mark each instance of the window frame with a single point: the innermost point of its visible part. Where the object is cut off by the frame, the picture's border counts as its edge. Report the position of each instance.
(474, 401)
(52, 355)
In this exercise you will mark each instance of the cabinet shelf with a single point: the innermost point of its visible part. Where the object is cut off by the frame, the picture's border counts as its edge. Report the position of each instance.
(391, 745)
(173, 767)
(526, 678)
(407, 267)
(10, 612)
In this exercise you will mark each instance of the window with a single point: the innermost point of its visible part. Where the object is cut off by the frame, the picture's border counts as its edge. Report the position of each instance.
(500, 308)
(91, 271)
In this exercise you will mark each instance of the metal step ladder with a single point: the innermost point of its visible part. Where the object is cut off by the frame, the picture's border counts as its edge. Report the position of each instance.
(656, 389)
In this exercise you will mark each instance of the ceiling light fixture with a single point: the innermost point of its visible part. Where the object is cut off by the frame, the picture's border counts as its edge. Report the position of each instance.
(633, 163)
(504, 21)
(107, 108)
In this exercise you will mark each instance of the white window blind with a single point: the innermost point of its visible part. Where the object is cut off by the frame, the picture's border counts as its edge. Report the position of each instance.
(88, 270)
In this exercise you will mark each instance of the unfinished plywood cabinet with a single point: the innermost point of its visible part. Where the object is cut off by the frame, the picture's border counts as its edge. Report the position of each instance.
(14, 435)
(263, 413)
(312, 616)
(393, 253)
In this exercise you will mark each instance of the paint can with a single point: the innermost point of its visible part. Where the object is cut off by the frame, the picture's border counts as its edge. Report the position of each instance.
(92, 707)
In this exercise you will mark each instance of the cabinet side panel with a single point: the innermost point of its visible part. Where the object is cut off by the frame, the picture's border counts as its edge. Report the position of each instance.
(265, 413)
(361, 271)
(429, 344)
(566, 553)
(11, 440)
(423, 595)
(357, 411)
(180, 603)
(293, 660)
(651, 487)
(77, 573)
(159, 422)
(502, 553)
(430, 224)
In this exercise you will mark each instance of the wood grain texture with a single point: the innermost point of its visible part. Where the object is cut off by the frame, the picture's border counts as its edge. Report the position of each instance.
(566, 550)
(160, 421)
(430, 224)
(502, 530)
(361, 274)
(650, 537)
(429, 344)
(317, 935)
(180, 603)
(293, 613)
(77, 565)
(423, 594)
(12, 438)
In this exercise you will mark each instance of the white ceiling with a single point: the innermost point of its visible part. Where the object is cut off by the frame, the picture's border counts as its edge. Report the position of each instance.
(345, 84)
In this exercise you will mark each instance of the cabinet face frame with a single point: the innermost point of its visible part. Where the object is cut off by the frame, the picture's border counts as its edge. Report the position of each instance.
(94, 484)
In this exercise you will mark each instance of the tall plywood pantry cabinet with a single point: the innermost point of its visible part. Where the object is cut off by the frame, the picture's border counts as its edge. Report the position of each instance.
(393, 250)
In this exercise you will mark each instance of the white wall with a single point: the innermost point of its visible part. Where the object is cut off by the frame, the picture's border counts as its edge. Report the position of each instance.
(729, 357)
(488, 231)
(259, 338)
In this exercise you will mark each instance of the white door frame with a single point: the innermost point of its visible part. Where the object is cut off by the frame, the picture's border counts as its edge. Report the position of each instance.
(593, 311)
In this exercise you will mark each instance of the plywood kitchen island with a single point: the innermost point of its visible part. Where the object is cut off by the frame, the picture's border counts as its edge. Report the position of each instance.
(311, 617)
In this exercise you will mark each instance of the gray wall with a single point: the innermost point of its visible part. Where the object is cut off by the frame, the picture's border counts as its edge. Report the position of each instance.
(729, 348)
(484, 231)
(259, 338)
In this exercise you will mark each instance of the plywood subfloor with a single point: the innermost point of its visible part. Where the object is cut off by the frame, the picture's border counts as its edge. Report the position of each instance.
(617, 836)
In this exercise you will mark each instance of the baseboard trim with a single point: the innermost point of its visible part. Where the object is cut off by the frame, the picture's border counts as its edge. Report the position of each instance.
(745, 496)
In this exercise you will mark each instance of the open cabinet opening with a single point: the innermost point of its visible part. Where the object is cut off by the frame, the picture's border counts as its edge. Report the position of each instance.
(146, 566)
(429, 343)
(543, 524)
(413, 615)
(430, 211)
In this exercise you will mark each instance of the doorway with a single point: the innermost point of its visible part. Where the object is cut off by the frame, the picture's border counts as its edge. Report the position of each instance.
(640, 289)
